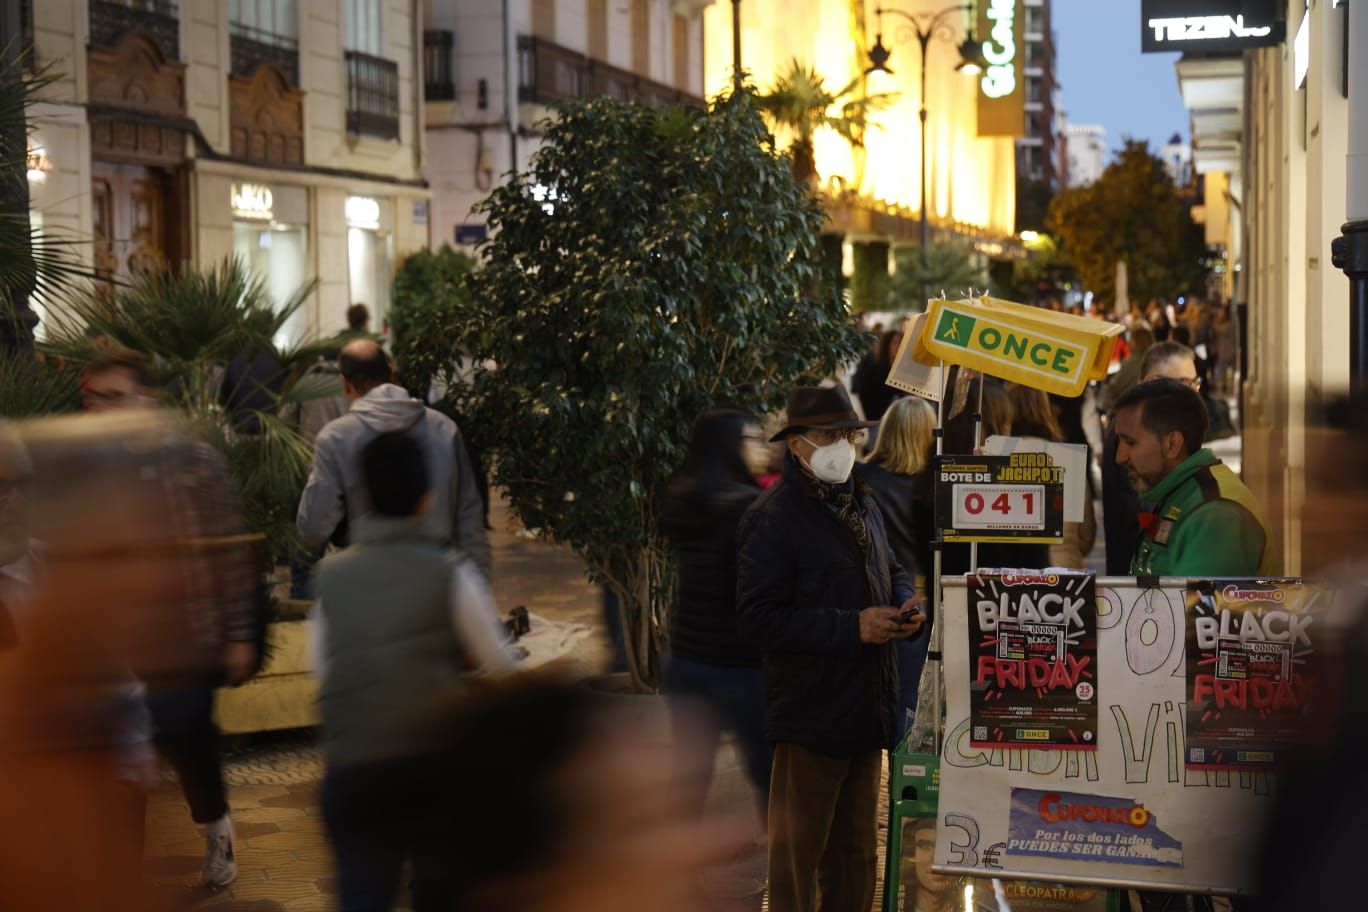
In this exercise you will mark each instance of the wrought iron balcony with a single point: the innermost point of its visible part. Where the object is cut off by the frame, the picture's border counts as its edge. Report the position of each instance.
(372, 95)
(548, 72)
(159, 19)
(252, 47)
(439, 82)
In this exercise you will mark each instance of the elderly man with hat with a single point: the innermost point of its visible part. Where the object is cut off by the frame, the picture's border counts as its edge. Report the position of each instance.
(818, 587)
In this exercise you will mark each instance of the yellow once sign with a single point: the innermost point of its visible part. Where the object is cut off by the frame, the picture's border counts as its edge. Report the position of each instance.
(1055, 352)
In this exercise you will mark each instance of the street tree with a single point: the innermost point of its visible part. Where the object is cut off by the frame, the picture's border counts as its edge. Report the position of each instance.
(801, 104)
(1132, 212)
(650, 264)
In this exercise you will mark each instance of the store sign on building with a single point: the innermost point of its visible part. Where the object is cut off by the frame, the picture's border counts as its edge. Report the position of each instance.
(362, 212)
(252, 202)
(1002, 87)
(1209, 25)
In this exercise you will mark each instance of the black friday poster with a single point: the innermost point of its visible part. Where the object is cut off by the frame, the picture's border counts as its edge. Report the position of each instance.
(1251, 670)
(1033, 660)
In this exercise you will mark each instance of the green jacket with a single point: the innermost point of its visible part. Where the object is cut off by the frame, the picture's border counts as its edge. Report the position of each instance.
(1202, 521)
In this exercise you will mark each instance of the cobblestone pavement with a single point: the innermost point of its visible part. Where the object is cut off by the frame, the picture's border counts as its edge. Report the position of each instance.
(283, 857)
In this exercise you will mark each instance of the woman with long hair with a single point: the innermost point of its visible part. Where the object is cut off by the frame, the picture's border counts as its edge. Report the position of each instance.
(898, 474)
(713, 676)
(1035, 419)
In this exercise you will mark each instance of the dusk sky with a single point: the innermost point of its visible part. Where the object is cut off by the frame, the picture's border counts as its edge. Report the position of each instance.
(1104, 79)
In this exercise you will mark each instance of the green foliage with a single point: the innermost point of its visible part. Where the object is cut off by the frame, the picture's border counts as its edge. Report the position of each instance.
(650, 265)
(801, 103)
(189, 324)
(869, 280)
(430, 295)
(30, 387)
(949, 270)
(1132, 213)
(33, 263)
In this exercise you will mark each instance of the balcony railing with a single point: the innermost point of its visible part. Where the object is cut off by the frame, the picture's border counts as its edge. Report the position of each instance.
(549, 72)
(159, 19)
(251, 47)
(439, 82)
(372, 95)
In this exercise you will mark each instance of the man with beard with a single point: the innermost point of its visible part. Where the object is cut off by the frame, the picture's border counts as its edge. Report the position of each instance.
(1196, 515)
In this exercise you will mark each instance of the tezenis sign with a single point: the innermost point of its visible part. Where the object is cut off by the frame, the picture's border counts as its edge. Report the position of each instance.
(1209, 25)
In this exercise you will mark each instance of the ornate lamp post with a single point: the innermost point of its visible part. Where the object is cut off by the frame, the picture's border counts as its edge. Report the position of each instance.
(924, 27)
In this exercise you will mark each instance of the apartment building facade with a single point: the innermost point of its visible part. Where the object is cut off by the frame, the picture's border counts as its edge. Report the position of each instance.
(287, 133)
(494, 68)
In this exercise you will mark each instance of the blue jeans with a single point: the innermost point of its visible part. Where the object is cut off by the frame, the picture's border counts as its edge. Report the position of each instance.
(911, 661)
(732, 699)
(372, 839)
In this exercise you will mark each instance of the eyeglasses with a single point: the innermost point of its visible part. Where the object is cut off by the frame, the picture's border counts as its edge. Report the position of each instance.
(824, 438)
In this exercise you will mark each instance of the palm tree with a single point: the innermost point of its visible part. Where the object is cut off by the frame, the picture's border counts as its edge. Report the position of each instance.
(801, 103)
(33, 265)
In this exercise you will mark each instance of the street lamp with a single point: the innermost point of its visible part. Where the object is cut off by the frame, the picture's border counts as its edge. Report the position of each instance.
(924, 27)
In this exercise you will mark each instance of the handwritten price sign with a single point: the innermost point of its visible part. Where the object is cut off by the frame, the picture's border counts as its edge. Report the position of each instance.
(1003, 507)
(1019, 497)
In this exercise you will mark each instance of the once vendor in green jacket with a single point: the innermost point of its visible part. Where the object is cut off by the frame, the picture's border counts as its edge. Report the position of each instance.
(1197, 517)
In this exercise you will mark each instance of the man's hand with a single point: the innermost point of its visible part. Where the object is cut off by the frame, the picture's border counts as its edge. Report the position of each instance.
(879, 624)
(238, 659)
(911, 617)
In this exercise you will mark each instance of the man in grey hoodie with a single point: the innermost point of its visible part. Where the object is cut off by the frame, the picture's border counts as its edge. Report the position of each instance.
(336, 496)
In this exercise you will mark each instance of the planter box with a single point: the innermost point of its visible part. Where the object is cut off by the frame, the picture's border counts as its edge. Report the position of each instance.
(283, 695)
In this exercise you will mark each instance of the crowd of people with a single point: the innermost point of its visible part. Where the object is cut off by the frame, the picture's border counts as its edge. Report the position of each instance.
(803, 546)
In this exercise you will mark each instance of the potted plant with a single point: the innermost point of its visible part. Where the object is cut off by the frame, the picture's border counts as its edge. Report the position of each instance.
(651, 263)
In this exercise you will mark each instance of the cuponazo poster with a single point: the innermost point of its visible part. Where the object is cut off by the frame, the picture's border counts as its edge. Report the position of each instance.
(1033, 660)
(1251, 670)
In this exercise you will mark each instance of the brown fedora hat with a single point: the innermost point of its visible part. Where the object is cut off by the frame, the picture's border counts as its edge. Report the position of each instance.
(820, 408)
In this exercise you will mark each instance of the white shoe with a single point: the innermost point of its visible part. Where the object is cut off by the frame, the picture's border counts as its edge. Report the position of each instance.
(220, 864)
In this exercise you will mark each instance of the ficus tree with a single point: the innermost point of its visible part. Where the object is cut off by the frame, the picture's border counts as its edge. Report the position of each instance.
(650, 264)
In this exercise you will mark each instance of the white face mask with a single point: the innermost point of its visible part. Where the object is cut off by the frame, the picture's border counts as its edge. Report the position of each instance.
(832, 463)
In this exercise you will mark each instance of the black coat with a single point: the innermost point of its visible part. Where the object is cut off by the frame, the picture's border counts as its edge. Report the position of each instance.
(701, 527)
(800, 589)
(1120, 511)
(908, 514)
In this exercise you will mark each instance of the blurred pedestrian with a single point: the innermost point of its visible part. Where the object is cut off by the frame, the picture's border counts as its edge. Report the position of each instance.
(821, 591)
(358, 319)
(183, 712)
(104, 607)
(868, 382)
(1036, 421)
(1141, 338)
(710, 667)
(898, 474)
(335, 496)
(397, 619)
(1196, 515)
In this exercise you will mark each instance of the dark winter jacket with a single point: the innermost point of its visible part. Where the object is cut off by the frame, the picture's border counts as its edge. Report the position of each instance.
(800, 589)
(701, 527)
(907, 512)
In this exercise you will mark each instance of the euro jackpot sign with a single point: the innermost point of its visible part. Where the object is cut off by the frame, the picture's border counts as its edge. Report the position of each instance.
(1014, 498)
(1055, 352)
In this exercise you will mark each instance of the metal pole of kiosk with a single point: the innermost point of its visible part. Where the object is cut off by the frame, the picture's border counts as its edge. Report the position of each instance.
(938, 560)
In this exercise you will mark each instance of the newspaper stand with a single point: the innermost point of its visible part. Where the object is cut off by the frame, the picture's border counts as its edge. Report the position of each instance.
(1058, 353)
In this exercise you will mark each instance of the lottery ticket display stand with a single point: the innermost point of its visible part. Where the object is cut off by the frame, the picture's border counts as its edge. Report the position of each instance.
(1079, 736)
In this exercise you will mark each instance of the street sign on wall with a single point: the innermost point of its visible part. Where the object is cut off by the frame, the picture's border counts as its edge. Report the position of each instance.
(1002, 85)
(1209, 25)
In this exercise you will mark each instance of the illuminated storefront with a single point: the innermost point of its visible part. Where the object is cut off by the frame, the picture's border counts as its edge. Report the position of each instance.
(971, 178)
(369, 255)
(271, 236)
